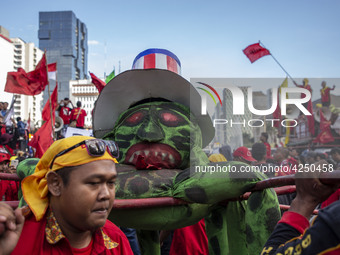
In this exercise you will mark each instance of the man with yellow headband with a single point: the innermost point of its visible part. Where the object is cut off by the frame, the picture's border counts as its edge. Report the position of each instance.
(70, 196)
(325, 94)
(305, 85)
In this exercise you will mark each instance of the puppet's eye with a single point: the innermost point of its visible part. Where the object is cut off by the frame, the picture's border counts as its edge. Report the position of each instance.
(135, 118)
(171, 119)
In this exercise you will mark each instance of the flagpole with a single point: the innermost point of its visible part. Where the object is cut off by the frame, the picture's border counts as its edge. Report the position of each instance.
(278, 63)
(49, 96)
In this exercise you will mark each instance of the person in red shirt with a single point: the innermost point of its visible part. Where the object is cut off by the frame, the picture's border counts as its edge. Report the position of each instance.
(293, 158)
(78, 115)
(69, 197)
(304, 85)
(4, 160)
(5, 140)
(190, 240)
(8, 188)
(264, 139)
(325, 94)
(281, 156)
(65, 111)
(242, 154)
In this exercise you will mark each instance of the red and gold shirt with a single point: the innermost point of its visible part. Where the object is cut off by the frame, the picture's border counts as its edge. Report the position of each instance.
(46, 237)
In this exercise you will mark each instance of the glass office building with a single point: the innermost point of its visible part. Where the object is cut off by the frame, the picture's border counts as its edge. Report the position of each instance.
(64, 37)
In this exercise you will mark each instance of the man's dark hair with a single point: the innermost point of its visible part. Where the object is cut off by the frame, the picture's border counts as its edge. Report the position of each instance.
(270, 160)
(225, 150)
(311, 154)
(265, 135)
(283, 151)
(321, 155)
(335, 150)
(258, 151)
(65, 172)
(18, 118)
(66, 99)
(78, 104)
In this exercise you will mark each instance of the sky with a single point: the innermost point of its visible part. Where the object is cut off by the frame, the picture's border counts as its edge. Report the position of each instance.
(207, 36)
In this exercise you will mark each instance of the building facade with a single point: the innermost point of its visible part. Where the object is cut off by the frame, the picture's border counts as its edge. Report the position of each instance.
(27, 56)
(16, 53)
(6, 62)
(64, 37)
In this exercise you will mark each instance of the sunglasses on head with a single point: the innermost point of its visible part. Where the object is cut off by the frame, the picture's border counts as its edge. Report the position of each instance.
(94, 147)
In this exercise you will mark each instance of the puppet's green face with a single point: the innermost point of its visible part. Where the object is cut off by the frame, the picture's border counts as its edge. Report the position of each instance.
(156, 135)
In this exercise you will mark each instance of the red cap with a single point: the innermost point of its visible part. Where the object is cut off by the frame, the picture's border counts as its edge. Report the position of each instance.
(244, 153)
(4, 156)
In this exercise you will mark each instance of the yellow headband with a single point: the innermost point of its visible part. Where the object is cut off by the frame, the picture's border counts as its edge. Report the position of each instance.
(34, 187)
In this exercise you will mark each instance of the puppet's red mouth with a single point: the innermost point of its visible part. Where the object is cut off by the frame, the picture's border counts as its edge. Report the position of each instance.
(153, 156)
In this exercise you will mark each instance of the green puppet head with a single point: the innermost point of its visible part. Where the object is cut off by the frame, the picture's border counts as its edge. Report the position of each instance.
(155, 135)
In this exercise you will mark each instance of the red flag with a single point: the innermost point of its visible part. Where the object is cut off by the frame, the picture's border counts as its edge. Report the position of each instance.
(52, 71)
(42, 139)
(32, 83)
(255, 51)
(97, 82)
(325, 135)
(46, 113)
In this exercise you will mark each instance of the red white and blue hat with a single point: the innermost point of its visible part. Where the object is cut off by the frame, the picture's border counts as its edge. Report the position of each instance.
(157, 58)
(155, 74)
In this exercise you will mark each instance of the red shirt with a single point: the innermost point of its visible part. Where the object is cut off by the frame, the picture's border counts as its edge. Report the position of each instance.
(81, 118)
(325, 94)
(294, 163)
(11, 193)
(190, 240)
(109, 240)
(269, 150)
(308, 87)
(3, 188)
(331, 199)
(83, 251)
(64, 113)
(3, 129)
(285, 168)
(6, 149)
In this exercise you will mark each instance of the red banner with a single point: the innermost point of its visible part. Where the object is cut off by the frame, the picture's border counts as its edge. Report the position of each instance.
(46, 113)
(42, 139)
(32, 83)
(255, 51)
(325, 135)
(97, 82)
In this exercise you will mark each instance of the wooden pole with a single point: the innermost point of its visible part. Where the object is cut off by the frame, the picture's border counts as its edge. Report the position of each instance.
(49, 98)
(278, 63)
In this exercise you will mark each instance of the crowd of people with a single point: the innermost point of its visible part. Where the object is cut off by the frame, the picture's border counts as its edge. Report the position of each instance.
(72, 190)
(286, 160)
(15, 132)
(298, 232)
(278, 161)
